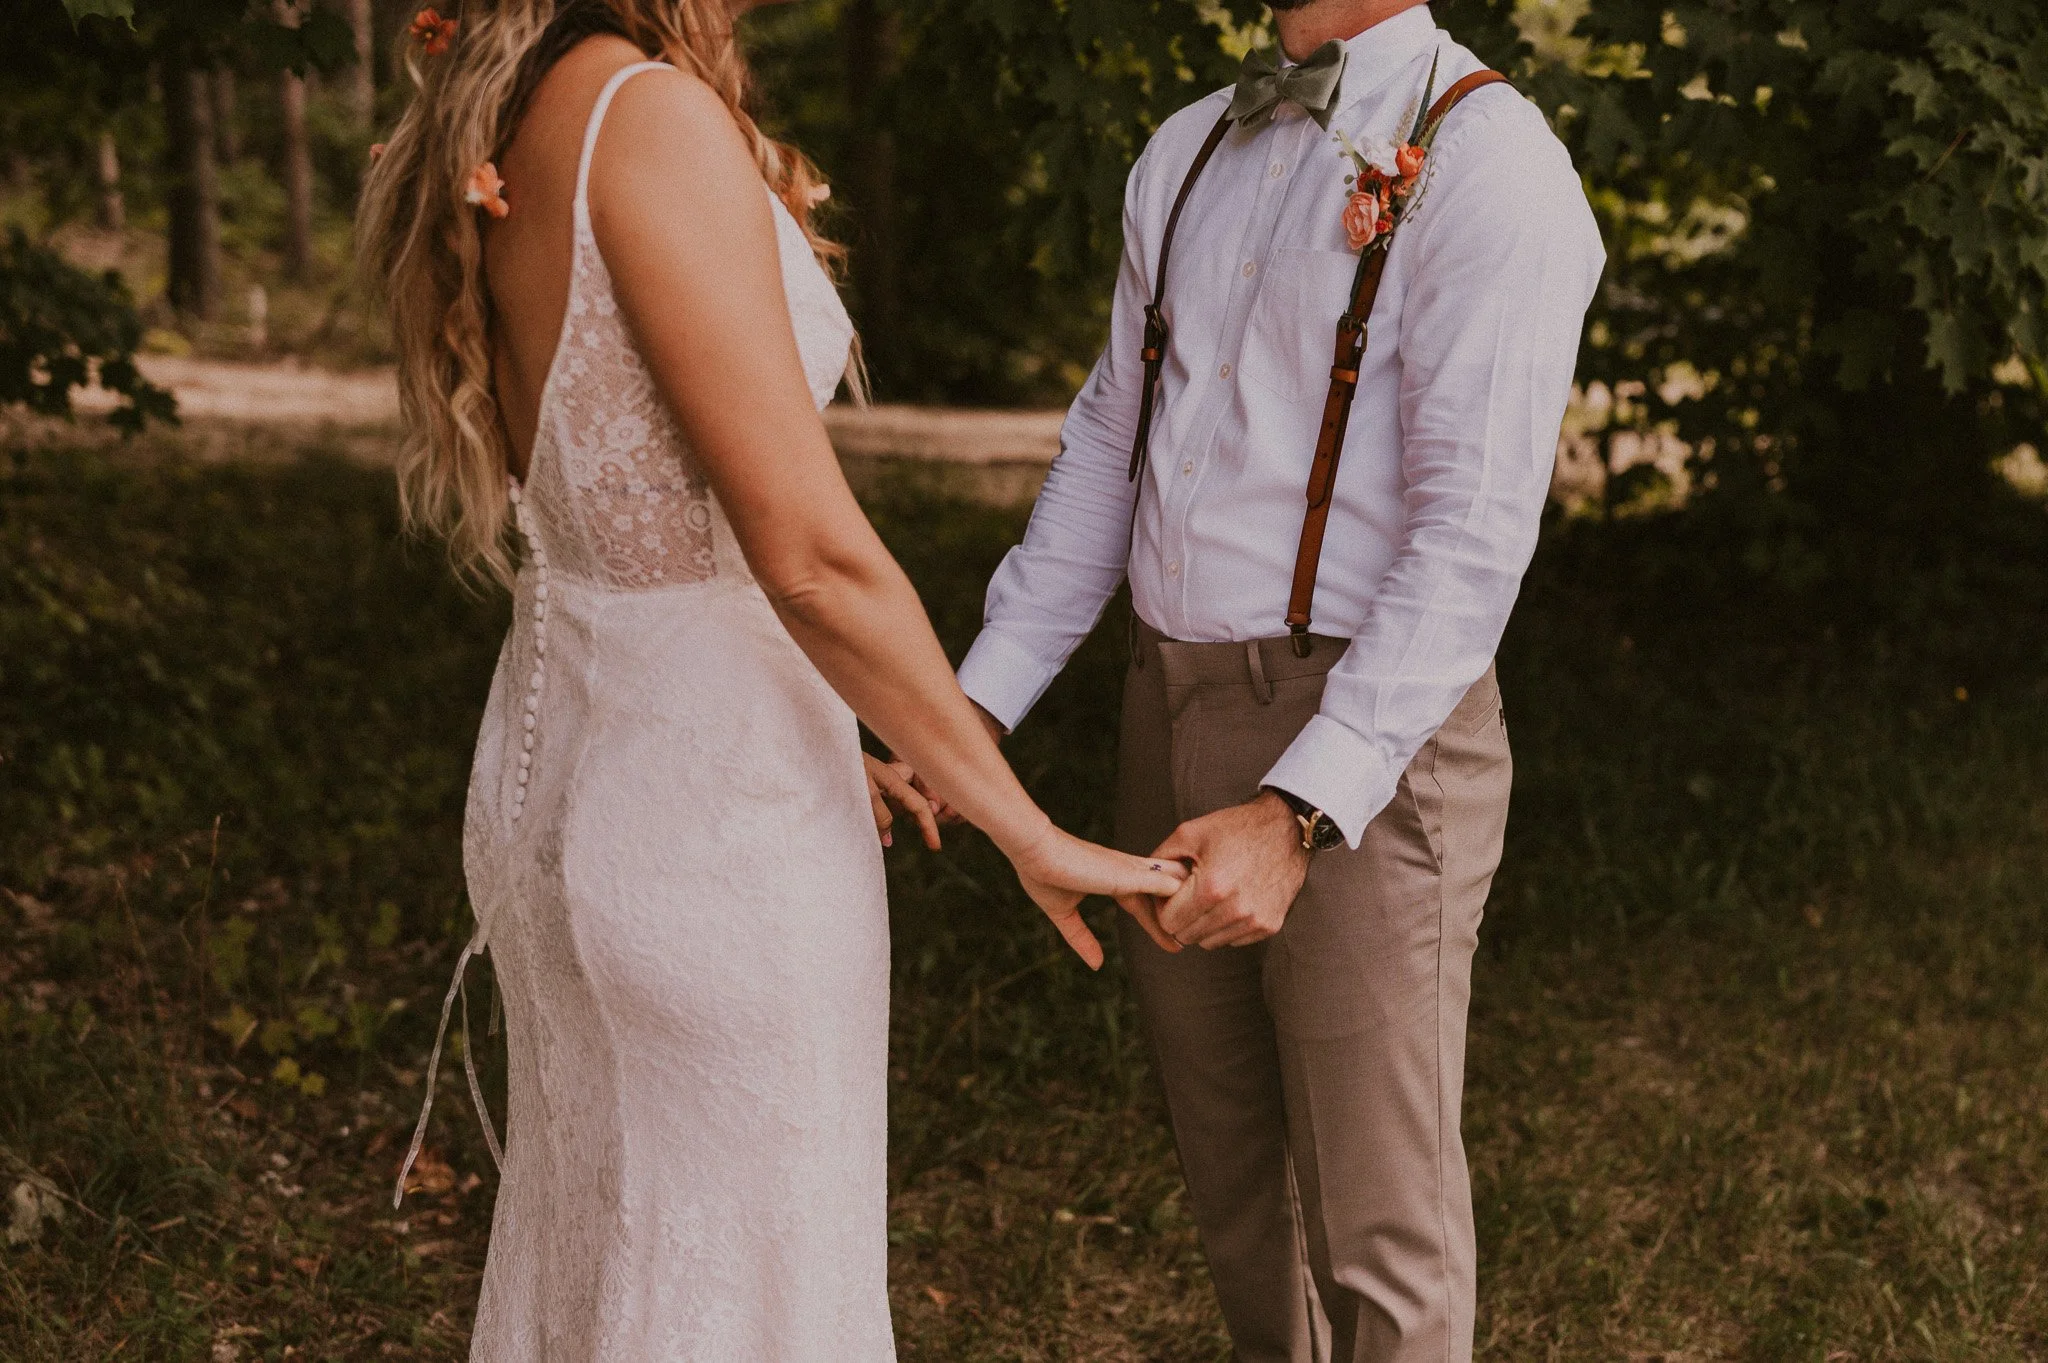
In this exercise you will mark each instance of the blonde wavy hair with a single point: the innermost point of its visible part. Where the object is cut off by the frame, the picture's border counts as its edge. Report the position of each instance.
(418, 240)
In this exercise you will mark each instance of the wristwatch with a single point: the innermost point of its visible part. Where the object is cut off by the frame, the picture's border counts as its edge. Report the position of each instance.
(1318, 833)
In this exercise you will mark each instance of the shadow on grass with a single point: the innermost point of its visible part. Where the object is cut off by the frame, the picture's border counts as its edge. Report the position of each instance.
(1756, 1041)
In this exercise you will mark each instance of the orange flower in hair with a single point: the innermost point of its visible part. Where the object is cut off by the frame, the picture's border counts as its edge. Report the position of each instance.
(486, 191)
(432, 32)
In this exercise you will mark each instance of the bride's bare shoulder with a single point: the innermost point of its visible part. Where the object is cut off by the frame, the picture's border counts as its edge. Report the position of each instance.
(670, 100)
(664, 128)
(670, 113)
(669, 140)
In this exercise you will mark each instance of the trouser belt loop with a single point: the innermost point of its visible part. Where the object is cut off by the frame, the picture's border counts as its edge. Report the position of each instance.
(1132, 637)
(1261, 688)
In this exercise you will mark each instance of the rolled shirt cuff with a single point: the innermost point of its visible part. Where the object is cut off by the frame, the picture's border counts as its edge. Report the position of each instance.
(1004, 678)
(1337, 770)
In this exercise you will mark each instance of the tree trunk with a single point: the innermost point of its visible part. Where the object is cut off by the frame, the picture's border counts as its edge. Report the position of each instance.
(362, 79)
(113, 206)
(194, 189)
(871, 37)
(297, 167)
(298, 176)
(227, 123)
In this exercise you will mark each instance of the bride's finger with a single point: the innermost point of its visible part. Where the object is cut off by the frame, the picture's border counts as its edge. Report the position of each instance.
(906, 798)
(1065, 912)
(1077, 936)
(883, 817)
(1158, 876)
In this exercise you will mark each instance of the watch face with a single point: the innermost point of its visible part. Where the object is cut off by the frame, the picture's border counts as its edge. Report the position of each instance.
(1325, 836)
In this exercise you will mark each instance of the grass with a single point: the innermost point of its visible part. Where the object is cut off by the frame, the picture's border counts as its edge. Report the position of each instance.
(1760, 1015)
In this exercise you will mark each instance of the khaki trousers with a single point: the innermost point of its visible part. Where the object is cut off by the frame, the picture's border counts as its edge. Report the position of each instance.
(1314, 1080)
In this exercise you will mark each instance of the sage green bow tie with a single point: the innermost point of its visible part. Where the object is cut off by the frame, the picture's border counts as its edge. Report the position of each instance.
(1261, 86)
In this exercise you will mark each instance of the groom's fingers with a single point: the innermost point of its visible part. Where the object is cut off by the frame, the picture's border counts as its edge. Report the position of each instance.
(1145, 908)
(1189, 903)
(1243, 935)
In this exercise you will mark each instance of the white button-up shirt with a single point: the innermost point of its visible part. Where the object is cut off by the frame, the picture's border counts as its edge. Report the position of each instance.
(1453, 435)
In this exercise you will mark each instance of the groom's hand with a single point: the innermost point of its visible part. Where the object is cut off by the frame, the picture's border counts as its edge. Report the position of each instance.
(1247, 865)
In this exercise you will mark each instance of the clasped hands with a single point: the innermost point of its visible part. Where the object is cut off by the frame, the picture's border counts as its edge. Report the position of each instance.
(1245, 863)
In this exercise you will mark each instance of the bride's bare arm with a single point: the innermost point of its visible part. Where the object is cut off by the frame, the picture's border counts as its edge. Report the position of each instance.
(685, 227)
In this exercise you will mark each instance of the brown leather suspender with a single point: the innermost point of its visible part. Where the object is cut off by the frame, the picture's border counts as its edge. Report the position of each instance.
(1154, 353)
(1350, 353)
(1351, 340)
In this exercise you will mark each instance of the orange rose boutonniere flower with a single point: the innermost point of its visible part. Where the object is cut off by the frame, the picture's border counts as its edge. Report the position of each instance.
(1385, 177)
(432, 32)
(1361, 219)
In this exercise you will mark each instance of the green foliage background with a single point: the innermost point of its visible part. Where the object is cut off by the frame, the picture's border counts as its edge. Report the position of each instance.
(1829, 236)
(1827, 219)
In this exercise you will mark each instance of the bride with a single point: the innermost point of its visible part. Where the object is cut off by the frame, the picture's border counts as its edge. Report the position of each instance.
(615, 330)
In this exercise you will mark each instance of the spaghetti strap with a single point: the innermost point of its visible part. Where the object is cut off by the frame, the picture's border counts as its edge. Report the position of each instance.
(597, 113)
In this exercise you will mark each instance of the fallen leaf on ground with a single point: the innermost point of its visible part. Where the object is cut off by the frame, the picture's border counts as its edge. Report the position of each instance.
(34, 1200)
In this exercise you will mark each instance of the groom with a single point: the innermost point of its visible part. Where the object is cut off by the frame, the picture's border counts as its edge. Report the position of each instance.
(1315, 729)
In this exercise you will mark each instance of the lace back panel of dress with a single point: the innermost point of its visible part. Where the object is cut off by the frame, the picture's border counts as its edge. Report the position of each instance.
(628, 506)
(620, 500)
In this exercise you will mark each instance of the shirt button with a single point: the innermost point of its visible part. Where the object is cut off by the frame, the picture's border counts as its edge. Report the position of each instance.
(1278, 170)
(1188, 469)
(1224, 372)
(1250, 269)
(1173, 570)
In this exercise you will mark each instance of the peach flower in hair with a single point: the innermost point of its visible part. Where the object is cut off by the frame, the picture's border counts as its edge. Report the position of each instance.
(486, 191)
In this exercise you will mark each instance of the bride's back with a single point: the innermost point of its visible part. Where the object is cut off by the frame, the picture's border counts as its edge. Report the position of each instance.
(529, 255)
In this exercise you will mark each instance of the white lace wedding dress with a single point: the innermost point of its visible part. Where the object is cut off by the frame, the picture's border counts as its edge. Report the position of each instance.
(673, 865)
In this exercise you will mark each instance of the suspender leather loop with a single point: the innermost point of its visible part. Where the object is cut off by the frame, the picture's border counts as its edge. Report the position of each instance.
(1154, 353)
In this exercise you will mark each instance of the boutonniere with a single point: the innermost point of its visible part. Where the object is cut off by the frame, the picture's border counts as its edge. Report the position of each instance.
(1385, 177)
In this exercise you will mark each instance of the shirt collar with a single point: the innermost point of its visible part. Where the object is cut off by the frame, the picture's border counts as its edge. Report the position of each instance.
(1373, 57)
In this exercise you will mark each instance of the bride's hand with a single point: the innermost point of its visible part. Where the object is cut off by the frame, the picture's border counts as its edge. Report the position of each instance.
(1059, 870)
(889, 783)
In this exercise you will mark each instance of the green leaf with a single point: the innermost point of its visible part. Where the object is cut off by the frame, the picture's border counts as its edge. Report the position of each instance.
(124, 10)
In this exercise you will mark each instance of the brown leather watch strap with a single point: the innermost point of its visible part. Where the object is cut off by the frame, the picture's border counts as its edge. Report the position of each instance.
(1154, 352)
(1344, 367)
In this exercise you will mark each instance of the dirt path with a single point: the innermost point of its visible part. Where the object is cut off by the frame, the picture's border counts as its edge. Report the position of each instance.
(232, 411)
(288, 394)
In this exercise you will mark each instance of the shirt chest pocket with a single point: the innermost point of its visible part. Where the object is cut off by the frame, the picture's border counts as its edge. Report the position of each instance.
(1292, 330)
